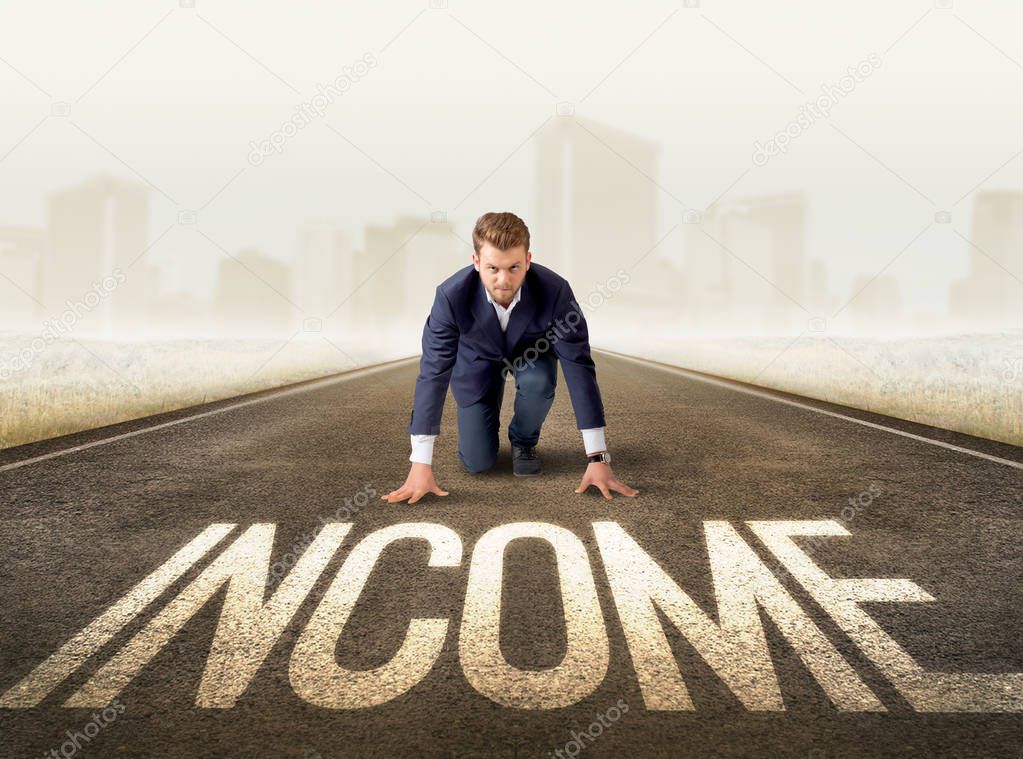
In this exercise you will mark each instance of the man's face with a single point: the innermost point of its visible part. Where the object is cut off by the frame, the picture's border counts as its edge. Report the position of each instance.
(502, 271)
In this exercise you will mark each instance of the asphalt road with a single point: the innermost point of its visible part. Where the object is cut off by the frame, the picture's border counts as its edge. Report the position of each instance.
(82, 528)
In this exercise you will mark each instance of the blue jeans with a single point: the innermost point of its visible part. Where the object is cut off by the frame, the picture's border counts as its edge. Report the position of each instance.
(479, 422)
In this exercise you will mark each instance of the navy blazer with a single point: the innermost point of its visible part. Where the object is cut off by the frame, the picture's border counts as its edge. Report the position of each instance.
(463, 345)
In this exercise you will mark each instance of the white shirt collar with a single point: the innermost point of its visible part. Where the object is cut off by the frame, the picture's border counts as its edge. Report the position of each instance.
(514, 300)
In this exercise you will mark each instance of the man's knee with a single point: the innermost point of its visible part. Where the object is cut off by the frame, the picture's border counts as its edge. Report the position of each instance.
(478, 460)
(536, 382)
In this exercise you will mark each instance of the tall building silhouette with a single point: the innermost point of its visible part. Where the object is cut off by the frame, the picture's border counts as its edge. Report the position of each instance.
(22, 255)
(745, 265)
(596, 212)
(253, 295)
(991, 294)
(94, 229)
(402, 265)
(325, 268)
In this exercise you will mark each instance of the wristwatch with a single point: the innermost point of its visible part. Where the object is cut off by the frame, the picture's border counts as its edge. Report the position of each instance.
(602, 456)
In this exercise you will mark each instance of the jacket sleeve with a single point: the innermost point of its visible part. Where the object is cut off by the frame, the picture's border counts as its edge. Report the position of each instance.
(440, 347)
(572, 347)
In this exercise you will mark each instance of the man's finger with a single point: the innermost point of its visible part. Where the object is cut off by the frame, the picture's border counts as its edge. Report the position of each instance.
(622, 488)
(398, 495)
(416, 497)
(438, 491)
(604, 490)
(582, 486)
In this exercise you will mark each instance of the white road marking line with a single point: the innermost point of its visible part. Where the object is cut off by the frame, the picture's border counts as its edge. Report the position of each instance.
(733, 385)
(314, 385)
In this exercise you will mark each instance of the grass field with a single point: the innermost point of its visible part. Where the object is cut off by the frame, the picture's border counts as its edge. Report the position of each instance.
(968, 383)
(71, 385)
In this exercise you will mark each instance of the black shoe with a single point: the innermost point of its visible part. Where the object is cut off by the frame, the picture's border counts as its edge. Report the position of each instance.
(525, 461)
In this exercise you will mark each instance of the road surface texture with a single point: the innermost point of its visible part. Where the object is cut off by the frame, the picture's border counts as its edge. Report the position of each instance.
(87, 517)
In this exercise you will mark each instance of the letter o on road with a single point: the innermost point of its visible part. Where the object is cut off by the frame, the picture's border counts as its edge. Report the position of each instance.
(479, 642)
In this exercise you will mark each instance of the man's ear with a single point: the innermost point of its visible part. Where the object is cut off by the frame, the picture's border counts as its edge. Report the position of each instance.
(529, 257)
(476, 261)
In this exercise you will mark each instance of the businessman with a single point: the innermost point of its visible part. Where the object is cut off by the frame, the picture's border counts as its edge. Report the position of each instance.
(500, 316)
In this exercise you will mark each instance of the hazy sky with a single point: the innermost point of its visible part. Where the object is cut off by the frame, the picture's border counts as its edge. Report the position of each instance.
(175, 96)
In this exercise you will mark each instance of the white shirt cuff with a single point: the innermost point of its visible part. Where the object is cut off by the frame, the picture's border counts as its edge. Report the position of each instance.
(422, 449)
(593, 440)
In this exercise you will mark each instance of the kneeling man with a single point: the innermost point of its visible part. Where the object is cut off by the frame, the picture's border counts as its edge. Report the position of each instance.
(504, 315)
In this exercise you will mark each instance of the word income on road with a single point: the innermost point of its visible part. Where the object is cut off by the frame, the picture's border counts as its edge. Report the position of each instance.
(734, 646)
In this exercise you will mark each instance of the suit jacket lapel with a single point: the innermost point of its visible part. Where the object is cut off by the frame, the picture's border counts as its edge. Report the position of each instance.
(487, 317)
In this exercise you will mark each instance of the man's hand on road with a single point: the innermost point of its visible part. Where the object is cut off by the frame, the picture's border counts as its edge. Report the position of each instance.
(600, 474)
(418, 483)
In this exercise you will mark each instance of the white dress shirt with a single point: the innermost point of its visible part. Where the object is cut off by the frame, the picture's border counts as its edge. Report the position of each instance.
(422, 445)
